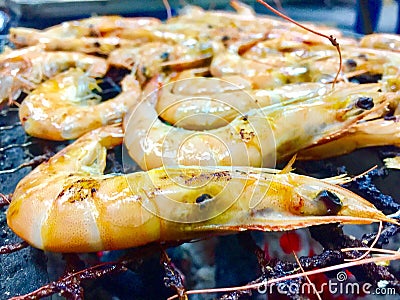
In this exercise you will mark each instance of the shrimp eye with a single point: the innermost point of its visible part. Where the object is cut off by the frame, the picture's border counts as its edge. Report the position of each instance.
(203, 198)
(225, 38)
(330, 200)
(164, 56)
(365, 103)
(351, 63)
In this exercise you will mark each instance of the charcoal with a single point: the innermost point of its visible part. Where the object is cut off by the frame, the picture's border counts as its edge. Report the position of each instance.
(20, 272)
(235, 266)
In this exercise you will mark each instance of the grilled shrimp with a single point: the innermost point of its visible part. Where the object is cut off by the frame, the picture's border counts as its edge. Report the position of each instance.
(103, 26)
(281, 39)
(65, 107)
(152, 58)
(21, 70)
(266, 134)
(202, 103)
(84, 37)
(381, 41)
(359, 61)
(92, 35)
(101, 45)
(78, 209)
(268, 67)
(244, 18)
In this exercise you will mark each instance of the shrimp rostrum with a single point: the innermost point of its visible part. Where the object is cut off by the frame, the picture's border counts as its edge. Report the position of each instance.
(79, 209)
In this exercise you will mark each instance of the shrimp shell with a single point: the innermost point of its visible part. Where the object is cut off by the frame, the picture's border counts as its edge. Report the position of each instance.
(78, 209)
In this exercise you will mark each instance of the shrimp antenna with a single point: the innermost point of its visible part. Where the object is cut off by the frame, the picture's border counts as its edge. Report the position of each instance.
(369, 249)
(33, 162)
(7, 249)
(306, 276)
(394, 255)
(330, 38)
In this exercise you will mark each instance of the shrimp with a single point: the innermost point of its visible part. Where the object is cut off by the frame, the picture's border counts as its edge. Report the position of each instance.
(78, 209)
(214, 102)
(103, 26)
(268, 67)
(360, 61)
(93, 35)
(22, 69)
(104, 34)
(156, 56)
(255, 138)
(384, 41)
(65, 107)
(101, 45)
(245, 19)
(247, 22)
(280, 39)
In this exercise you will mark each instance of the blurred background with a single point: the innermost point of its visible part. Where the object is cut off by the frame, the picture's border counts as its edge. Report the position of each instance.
(340, 13)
